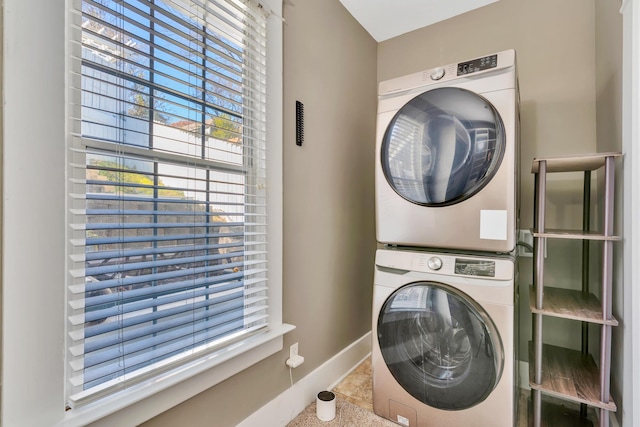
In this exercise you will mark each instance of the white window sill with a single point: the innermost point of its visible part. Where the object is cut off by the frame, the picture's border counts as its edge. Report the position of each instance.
(150, 398)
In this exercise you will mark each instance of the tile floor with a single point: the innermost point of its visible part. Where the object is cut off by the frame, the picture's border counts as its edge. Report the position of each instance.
(354, 404)
(356, 388)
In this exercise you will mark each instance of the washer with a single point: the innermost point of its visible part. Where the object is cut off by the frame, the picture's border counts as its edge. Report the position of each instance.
(447, 150)
(443, 339)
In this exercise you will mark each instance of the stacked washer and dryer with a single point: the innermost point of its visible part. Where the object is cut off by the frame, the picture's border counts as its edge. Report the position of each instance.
(444, 298)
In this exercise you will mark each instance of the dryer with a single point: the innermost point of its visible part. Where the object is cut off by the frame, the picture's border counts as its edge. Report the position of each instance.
(447, 150)
(443, 339)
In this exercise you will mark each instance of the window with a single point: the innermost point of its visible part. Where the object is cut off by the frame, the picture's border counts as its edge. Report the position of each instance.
(168, 180)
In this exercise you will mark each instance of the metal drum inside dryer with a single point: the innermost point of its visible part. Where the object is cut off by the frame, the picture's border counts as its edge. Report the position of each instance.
(447, 150)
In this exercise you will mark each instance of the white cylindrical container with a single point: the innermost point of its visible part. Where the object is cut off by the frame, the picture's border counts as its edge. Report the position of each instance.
(326, 406)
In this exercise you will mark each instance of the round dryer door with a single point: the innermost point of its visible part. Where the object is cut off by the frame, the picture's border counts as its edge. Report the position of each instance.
(442, 147)
(440, 345)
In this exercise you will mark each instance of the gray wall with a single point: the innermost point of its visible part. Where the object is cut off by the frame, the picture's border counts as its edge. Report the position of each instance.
(329, 234)
(1, 166)
(329, 242)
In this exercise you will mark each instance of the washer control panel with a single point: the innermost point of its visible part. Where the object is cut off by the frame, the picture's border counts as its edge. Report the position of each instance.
(447, 264)
(475, 267)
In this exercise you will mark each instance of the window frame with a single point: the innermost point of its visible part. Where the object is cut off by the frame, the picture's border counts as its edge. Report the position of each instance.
(34, 309)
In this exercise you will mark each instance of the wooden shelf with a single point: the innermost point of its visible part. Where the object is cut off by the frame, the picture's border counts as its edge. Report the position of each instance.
(585, 162)
(570, 304)
(573, 234)
(569, 374)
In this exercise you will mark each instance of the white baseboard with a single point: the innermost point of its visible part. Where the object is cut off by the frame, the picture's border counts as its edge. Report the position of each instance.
(524, 384)
(295, 399)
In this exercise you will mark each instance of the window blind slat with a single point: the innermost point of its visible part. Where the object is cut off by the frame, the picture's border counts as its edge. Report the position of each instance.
(122, 198)
(130, 186)
(179, 19)
(225, 51)
(136, 280)
(230, 80)
(157, 333)
(142, 212)
(138, 360)
(256, 161)
(163, 294)
(92, 256)
(156, 239)
(159, 225)
(166, 89)
(103, 329)
(171, 20)
(161, 333)
(177, 261)
(153, 240)
(120, 81)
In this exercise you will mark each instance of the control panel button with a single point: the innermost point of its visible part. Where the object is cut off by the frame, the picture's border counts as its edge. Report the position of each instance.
(437, 74)
(434, 263)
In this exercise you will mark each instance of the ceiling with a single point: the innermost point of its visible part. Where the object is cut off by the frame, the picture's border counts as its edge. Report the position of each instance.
(385, 19)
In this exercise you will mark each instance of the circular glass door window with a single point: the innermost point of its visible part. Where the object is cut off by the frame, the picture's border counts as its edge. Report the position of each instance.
(442, 147)
(440, 345)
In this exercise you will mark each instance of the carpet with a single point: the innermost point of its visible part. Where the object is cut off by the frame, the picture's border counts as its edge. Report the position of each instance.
(347, 414)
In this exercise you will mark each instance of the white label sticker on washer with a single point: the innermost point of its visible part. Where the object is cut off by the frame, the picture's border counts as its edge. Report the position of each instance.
(402, 420)
(493, 225)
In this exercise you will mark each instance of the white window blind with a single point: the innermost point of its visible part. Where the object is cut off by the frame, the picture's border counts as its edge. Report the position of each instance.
(167, 186)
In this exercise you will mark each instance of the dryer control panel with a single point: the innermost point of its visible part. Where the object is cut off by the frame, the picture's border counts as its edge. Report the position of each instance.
(478, 64)
(472, 68)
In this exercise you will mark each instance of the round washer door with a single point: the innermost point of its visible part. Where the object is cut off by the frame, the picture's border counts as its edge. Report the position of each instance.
(442, 147)
(440, 345)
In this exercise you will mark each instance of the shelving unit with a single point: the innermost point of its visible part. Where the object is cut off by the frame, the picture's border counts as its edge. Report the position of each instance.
(559, 372)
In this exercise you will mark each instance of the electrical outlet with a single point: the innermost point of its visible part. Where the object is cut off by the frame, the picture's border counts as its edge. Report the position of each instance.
(294, 359)
(525, 244)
